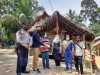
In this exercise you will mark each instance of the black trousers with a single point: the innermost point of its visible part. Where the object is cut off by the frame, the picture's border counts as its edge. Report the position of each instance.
(22, 58)
(57, 58)
(57, 62)
(78, 64)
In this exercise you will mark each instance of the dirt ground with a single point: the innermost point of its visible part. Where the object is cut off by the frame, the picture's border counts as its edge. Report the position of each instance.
(8, 65)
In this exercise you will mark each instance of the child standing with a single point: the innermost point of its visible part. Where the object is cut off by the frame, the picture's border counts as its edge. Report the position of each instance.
(44, 50)
(94, 66)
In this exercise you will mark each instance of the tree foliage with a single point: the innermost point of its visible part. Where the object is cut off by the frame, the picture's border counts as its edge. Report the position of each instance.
(71, 14)
(6, 6)
(95, 26)
(9, 25)
(26, 7)
(10, 10)
(74, 17)
(88, 10)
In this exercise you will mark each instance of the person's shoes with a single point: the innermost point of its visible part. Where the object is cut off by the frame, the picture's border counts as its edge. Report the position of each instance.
(65, 69)
(82, 73)
(18, 74)
(77, 73)
(38, 71)
(48, 68)
(69, 71)
(26, 72)
(44, 67)
(34, 69)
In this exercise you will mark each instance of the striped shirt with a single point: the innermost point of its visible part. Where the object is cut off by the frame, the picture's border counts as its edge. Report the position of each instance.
(46, 45)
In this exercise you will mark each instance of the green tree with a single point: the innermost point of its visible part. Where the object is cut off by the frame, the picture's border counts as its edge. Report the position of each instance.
(95, 26)
(71, 14)
(88, 10)
(74, 17)
(9, 25)
(98, 17)
(26, 7)
(10, 10)
(16, 7)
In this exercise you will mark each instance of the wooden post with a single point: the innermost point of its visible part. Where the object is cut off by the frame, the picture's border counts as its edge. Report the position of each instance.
(84, 43)
(91, 57)
(57, 25)
(99, 49)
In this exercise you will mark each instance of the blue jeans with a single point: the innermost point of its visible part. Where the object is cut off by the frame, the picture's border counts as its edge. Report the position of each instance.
(45, 59)
(78, 63)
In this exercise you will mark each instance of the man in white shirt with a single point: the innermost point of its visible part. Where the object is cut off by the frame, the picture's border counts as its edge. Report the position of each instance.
(23, 41)
(79, 48)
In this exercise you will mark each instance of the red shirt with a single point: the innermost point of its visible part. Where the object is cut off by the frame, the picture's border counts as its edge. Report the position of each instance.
(93, 60)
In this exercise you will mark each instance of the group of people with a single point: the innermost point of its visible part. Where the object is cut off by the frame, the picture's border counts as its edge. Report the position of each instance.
(72, 50)
(24, 42)
(32, 39)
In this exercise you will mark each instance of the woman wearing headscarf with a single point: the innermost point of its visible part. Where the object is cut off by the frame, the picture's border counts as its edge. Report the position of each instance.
(68, 54)
(56, 50)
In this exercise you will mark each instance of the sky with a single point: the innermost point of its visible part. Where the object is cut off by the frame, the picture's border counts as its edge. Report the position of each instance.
(62, 5)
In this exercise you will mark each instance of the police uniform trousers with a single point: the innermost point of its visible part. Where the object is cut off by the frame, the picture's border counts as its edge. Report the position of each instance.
(22, 58)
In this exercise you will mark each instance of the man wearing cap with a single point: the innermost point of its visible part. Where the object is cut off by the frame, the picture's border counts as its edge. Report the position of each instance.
(23, 41)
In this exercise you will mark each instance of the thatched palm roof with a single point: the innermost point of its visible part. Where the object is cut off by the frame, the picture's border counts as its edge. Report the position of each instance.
(38, 18)
(96, 41)
(67, 25)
